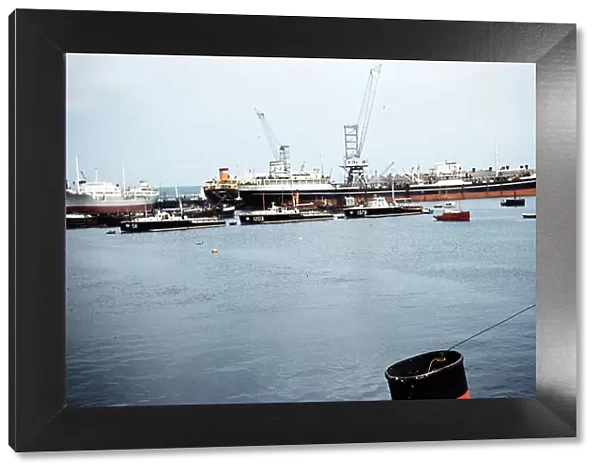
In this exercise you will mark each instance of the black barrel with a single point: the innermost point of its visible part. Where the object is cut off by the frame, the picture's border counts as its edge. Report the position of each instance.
(431, 375)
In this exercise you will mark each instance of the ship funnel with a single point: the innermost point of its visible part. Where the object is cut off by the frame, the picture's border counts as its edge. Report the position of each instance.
(224, 174)
(431, 375)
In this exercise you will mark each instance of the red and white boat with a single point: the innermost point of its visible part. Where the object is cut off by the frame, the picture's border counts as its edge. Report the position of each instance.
(452, 215)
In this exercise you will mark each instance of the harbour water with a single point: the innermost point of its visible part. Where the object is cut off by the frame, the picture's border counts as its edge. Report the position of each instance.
(298, 312)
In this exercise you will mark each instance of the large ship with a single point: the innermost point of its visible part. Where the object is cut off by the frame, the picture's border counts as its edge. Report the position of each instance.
(99, 197)
(444, 181)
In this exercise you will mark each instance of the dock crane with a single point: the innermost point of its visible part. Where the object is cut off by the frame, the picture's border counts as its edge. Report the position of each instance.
(355, 135)
(280, 152)
(389, 166)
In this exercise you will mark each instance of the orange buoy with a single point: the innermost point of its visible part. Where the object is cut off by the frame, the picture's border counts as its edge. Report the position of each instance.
(431, 375)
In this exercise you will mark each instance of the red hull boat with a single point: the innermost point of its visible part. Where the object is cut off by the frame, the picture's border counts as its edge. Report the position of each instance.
(454, 216)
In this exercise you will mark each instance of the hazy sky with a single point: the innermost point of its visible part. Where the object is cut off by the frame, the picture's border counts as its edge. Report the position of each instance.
(177, 119)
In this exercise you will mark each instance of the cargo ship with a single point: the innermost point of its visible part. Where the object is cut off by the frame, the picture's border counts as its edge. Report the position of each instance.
(107, 198)
(445, 181)
(99, 197)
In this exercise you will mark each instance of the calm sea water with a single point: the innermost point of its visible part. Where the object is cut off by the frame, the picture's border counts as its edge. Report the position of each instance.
(298, 312)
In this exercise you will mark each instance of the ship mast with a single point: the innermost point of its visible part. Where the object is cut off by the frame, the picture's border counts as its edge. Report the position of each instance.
(322, 163)
(496, 157)
(180, 204)
(123, 177)
(77, 171)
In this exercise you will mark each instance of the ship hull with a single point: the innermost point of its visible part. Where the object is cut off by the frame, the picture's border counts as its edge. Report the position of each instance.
(464, 216)
(360, 212)
(335, 198)
(223, 197)
(168, 225)
(84, 203)
(513, 203)
(81, 221)
(263, 219)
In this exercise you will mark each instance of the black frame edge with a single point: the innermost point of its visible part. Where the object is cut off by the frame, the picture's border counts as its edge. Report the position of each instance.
(38, 342)
(11, 220)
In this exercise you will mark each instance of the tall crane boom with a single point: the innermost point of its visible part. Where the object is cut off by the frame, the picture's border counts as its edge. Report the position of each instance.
(382, 173)
(364, 116)
(355, 135)
(280, 152)
(274, 143)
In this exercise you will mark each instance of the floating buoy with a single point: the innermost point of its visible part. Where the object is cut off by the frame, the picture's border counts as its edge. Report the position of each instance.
(214, 250)
(431, 375)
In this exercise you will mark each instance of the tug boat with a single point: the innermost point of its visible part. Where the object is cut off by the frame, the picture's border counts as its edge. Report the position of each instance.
(277, 214)
(379, 207)
(163, 221)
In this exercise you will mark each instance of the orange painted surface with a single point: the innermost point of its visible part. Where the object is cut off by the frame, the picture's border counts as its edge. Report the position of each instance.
(493, 194)
(465, 396)
(474, 195)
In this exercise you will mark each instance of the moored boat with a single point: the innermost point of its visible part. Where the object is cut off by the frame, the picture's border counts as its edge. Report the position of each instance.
(100, 197)
(80, 221)
(513, 203)
(380, 207)
(526, 215)
(163, 221)
(276, 214)
(454, 216)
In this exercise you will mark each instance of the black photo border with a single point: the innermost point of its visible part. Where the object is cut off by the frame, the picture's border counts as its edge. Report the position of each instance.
(41, 420)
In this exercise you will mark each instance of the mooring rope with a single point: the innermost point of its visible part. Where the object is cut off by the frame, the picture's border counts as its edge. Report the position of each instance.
(492, 326)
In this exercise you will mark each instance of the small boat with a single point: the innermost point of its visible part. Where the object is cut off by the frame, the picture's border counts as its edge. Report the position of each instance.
(233, 223)
(437, 206)
(80, 221)
(528, 215)
(379, 207)
(164, 221)
(111, 232)
(449, 205)
(454, 216)
(514, 202)
(275, 214)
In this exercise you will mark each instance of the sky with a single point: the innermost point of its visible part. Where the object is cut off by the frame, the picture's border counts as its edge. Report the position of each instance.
(175, 120)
